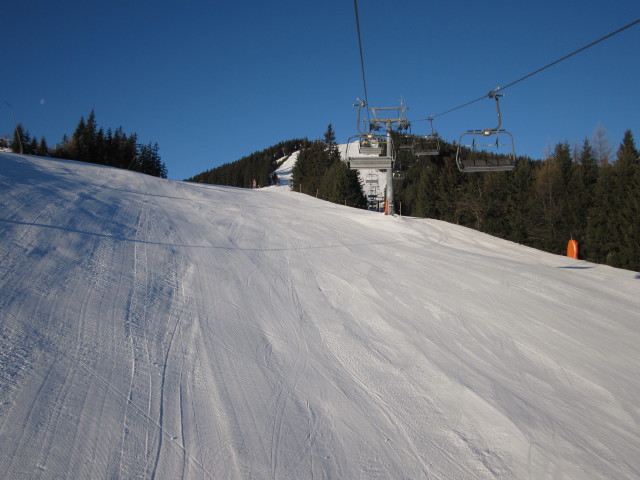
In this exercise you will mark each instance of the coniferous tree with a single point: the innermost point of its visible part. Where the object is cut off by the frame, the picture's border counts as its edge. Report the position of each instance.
(581, 191)
(627, 230)
(86, 138)
(148, 161)
(332, 152)
(339, 184)
(599, 240)
(517, 203)
(425, 203)
(43, 149)
(309, 168)
(33, 146)
(21, 139)
(549, 207)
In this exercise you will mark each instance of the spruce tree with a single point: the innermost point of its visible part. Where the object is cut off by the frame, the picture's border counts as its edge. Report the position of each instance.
(628, 211)
(519, 189)
(582, 194)
(331, 147)
(42, 149)
(21, 139)
(309, 168)
(76, 144)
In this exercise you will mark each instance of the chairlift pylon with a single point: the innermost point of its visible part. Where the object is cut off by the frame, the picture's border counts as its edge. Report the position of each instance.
(480, 150)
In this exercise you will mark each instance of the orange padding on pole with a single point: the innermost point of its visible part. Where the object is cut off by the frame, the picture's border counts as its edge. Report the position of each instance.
(386, 207)
(572, 249)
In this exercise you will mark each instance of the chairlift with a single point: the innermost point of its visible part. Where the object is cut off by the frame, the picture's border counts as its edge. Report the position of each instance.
(406, 141)
(371, 178)
(487, 150)
(371, 147)
(368, 151)
(428, 145)
(371, 144)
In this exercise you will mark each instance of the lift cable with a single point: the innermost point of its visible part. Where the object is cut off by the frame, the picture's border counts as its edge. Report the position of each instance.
(364, 80)
(493, 92)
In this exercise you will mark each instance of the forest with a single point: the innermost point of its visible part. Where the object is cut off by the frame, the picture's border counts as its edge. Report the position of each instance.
(90, 143)
(259, 166)
(582, 193)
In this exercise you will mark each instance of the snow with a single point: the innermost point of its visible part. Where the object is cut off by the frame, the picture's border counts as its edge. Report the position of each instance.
(285, 168)
(372, 190)
(159, 329)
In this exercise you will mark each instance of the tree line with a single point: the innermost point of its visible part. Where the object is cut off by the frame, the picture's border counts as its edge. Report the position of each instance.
(91, 144)
(318, 171)
(575, 193)
(259, 166)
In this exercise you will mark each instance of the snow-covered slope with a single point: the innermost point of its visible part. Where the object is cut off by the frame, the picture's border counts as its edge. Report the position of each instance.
(158, 329)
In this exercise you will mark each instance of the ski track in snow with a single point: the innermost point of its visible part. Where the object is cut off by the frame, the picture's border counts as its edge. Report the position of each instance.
(158, 329)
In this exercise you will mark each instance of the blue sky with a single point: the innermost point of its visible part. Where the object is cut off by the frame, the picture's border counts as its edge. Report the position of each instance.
(213, 81)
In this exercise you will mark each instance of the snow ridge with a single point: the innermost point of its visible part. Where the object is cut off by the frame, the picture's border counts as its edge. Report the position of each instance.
(160, 329)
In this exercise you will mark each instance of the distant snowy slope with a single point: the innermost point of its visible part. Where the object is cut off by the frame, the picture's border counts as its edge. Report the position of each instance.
(159, 329)
(285, 169)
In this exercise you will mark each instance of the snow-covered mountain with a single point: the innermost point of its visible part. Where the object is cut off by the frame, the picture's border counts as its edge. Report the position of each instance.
(159, 329)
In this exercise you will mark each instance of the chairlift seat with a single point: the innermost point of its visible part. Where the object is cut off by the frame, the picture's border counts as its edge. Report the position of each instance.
(485, 155)
(427, 146)
(371, 178)
(370, 145)
(497, 164)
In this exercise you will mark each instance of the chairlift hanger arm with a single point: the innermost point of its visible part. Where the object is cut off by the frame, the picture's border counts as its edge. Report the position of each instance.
(360, 105)
(492, 94)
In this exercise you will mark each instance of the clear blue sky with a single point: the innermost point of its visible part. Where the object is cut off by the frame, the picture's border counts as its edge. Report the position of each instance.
(212, 81)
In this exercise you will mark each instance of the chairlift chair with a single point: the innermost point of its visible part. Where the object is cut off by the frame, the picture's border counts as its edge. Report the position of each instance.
(487, 150)
(367, 151)
(428, 145)
(406, 142)
(371, 144)
(476, 153)
(371, 178)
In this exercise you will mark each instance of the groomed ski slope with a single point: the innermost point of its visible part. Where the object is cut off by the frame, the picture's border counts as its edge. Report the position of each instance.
(159, 329)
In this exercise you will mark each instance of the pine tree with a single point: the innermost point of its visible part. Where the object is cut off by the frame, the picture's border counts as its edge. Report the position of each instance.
(148, 161)
(600, 242)
(309, 168)
(581, 194)
(75, 146)
(90, 146)
(21, 139)
(339, 184)
(627, 229)
(43, 149)
(331, 147)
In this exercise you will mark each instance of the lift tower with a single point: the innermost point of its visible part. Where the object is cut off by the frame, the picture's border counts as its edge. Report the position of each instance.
(376, 151)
